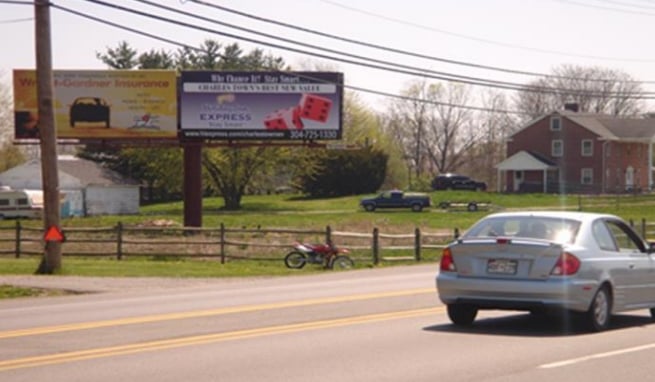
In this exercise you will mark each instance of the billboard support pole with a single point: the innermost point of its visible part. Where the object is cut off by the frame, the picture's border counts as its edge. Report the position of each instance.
(51, 261)
(192, 184)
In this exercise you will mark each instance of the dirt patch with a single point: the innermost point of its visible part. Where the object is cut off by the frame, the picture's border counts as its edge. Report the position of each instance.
(13, 291)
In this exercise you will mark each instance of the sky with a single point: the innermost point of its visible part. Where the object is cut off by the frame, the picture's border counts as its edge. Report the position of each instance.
(457, 35)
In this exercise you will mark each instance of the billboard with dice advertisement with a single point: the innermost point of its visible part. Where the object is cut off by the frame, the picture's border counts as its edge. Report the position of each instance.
(302, 106)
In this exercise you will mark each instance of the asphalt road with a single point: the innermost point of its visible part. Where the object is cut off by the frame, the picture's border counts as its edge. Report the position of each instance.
(365, 325)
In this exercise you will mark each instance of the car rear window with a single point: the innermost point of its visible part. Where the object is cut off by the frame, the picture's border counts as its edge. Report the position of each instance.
(534, 227)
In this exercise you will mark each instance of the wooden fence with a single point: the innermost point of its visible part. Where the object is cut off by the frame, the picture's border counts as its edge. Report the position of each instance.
(224, 244)
(221, 243)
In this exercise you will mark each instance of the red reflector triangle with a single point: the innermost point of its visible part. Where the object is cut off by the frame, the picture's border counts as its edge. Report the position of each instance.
(53, 234)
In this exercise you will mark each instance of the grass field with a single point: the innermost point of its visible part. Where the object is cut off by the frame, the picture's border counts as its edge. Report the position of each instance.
(291, 211)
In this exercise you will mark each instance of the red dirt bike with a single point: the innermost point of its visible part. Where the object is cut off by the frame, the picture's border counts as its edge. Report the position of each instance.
(328, 255)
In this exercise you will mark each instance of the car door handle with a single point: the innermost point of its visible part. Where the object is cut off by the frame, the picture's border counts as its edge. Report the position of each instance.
(631, 266)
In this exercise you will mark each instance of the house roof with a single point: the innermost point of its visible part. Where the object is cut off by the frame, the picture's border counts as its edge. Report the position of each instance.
(525, 161)
(92, 173)
(73, 173)
(610, 127)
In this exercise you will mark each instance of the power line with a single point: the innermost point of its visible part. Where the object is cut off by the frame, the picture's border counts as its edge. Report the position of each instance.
(384, 62)
(603, 8)
(375, 46)
(360, 89)
(424, 72)
(624, 4)
(13, 21)
(477, 39)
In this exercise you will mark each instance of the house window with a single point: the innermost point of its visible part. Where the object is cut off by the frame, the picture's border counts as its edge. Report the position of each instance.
(555, 124)
(557, 148)
(587, 176)
(587, 147)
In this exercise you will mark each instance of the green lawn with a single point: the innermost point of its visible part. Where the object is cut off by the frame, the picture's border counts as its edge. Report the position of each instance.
(289, 211)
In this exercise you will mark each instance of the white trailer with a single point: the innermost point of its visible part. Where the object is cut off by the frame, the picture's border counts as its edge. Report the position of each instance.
(21, 203)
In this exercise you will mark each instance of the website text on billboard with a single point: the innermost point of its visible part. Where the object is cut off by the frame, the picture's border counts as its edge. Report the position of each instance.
(261, 105)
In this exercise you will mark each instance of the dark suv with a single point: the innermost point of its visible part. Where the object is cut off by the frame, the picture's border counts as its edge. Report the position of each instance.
(457, 182)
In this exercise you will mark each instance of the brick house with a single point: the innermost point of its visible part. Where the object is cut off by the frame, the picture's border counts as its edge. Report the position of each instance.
(567, 151)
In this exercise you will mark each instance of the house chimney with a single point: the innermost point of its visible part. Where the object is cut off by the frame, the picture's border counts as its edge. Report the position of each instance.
(572, 106)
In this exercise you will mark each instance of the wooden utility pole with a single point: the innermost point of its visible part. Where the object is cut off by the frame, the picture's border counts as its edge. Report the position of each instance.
(51, 261)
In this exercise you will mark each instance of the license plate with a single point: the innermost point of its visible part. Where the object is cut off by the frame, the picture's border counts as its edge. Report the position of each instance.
(501, 266)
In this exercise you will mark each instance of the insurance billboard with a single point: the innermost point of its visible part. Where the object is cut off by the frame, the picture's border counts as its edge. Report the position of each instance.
(101, 104)
(302, 106)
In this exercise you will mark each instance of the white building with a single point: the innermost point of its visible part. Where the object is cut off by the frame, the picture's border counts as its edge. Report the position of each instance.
(90, 188)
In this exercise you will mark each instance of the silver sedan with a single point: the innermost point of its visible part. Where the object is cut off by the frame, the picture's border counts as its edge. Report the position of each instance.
(593, 265)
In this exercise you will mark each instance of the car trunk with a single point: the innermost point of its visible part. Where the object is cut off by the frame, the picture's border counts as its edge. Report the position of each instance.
(505, 258)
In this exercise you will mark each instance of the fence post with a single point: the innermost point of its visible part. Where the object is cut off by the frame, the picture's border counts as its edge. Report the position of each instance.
(222, 238)
(18, 232)
(119, 240)
(417, 244)
(456, 233)
(643, 228)
(376, 246)
(328, 235)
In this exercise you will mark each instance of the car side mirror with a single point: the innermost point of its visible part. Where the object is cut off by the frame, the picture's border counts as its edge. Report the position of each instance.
(651, 247)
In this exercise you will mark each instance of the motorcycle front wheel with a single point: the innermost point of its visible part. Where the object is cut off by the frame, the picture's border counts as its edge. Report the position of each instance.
(295, 260)
(342, 262)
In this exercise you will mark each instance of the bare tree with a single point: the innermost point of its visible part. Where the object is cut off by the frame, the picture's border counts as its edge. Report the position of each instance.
(6, 111)
(406, 123)
(452, 132)
(594, 89)
(495, 126)
(432, 127)
(10, 155)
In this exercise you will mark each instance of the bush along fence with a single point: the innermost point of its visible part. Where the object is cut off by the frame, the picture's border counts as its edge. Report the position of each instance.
(222, 243)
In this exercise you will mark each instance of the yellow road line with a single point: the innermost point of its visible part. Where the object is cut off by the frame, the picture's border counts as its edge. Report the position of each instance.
(205, 313)
(206, 339)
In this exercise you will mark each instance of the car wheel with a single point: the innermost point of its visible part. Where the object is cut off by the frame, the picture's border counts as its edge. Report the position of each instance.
(462, 314)
(472, 207)
(598, 316)
(369, 207)
(417, 207)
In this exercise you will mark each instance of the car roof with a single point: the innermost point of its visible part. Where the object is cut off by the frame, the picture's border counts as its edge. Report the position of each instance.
(574, 215)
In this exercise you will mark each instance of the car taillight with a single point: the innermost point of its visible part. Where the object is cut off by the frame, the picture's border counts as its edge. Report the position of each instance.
(447, 264)
(567, 264)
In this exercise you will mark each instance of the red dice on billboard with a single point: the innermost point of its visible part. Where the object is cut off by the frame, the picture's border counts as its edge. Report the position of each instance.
(284, 119)
(314, 107)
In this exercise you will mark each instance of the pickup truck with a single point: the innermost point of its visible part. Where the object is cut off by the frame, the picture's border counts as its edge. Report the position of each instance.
(397, 199)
